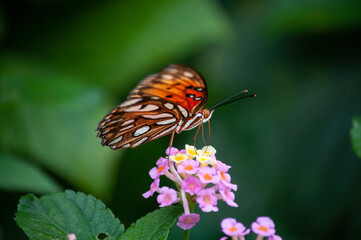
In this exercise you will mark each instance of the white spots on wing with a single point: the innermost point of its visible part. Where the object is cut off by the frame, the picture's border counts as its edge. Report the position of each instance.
(130, 102)
(106, 131)
(156, 116)
(140, 108)
(183, 111)
(169, 105)
(197, 98)
(115, 121)
(125, 146)
(150, 107)
(133, 109)
(126, 128)
(188, 74)
(141, 131)
(140, 142)
(168, 130)
(127, 122)
(199, 89)
(118, 139)
(155, 98)
(113, 147)
(165, 122)
(172, 70)
(167, 76)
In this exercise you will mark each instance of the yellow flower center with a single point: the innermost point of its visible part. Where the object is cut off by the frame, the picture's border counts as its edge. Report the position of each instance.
(232, 229)
(192, 152)
(223, 176)
(188, 220)
(178, 158)
(263, 228)
(160, 169)
(188, 167)
(207, 177)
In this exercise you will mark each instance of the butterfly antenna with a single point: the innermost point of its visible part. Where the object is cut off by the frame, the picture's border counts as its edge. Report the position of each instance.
(232, 99)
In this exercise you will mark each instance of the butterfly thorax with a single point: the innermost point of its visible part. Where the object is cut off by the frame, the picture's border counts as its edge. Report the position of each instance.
(186, 124)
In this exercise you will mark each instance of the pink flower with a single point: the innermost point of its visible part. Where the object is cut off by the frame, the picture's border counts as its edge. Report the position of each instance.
(188, 166)
(171, 151)
(233, 228)
(163, 166)
(167, 197)
(223, 238)
(225, 178)
(191, 185)
(222, 166)
(162, 162)
(227, 195)
(187, 221)
(207, 200)
(208, 175)
(264, 226)
(153, 187)
(71, 236)
(275, 237)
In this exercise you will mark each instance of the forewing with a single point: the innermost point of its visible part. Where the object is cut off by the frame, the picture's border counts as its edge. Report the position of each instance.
(176, 84)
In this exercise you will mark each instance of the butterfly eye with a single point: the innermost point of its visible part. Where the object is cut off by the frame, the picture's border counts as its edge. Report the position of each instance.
(207, 114)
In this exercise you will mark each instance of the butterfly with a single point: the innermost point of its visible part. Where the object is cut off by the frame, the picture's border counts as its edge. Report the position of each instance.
(166, 102)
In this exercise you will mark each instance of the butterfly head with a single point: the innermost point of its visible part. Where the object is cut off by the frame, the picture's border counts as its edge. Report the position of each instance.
(207, 114)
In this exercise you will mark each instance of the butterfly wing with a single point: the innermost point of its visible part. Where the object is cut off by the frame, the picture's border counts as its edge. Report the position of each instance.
(154, 108)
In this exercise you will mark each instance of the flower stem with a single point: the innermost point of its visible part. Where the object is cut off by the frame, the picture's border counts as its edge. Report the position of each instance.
(191, 209)
(186, 234)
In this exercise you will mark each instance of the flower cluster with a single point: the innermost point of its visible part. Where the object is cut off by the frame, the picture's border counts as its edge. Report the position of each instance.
(263, 227)
(199, 178)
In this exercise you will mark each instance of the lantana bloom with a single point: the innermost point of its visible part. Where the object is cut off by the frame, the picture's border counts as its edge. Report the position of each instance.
(232, 228)
(167, 197)
(207, 200)
(153, 187)
(188, 166)
(264, 226)
(187, 221)
(199, 177)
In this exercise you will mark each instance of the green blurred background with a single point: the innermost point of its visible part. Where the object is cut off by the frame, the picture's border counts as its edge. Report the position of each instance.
(64, 64)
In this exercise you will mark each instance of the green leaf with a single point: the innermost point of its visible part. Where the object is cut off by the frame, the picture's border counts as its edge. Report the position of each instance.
(51, 118)
(356, 135)
(18, 175)
(57, 215)
(110, 42)
(154, 225)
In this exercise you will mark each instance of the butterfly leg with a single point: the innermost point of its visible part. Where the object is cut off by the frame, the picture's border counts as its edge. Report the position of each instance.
(209, 132)
(195, 137)
(171, 143)
(204, 141)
